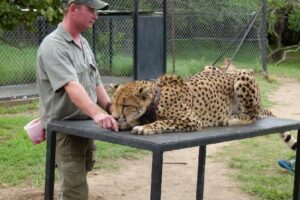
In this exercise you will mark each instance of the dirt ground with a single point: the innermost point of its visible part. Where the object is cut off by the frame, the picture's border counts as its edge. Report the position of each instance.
(132, 180)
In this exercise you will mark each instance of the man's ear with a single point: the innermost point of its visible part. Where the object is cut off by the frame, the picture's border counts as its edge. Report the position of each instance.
(72, 7)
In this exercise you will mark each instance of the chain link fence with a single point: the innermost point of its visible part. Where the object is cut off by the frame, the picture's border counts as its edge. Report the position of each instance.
(199, 33)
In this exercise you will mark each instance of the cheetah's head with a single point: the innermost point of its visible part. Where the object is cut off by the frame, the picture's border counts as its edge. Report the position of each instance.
(130, 102)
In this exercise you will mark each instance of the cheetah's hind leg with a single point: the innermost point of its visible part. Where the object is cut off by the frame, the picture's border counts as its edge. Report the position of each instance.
(246, 100)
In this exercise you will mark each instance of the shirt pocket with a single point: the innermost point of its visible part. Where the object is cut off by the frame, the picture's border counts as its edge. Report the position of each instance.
(79, 63)
(91, 81)
(80, 68)
(92, 72)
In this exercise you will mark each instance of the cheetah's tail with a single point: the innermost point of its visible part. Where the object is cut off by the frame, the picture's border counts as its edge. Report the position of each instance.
(289, 139)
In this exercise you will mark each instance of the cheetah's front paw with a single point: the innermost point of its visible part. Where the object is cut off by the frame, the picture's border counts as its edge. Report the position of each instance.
(142, 130)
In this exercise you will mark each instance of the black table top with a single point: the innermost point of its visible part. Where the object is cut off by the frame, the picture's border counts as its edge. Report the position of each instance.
(178, 140)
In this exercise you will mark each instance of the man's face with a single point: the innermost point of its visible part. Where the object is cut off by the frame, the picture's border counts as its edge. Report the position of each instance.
(84, 17)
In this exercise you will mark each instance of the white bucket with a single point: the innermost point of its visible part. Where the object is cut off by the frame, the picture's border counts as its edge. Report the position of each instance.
(35, 131)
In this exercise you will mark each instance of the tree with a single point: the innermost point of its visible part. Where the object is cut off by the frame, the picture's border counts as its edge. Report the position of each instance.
(25, 12)
(283, 15)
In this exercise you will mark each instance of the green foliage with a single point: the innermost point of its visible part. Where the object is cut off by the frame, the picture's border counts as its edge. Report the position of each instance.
(284, 8)
(212, 16)
(25, 12)
(294, 19)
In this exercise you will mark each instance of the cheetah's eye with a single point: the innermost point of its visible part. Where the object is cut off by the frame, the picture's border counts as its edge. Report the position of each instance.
(144, 98)
(125, 106)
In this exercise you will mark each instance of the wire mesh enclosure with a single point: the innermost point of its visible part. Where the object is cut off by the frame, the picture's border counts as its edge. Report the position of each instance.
(198, 33)
(208, 32)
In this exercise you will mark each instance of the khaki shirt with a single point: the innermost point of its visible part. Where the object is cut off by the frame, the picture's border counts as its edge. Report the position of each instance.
(60, 60)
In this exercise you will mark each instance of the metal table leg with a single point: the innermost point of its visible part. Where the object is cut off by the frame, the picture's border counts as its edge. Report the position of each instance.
(156, 176)
(201, 171)
(297, 172)
(50, 164)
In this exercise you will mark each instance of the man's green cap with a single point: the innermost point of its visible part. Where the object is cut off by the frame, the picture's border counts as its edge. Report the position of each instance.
(96, 4)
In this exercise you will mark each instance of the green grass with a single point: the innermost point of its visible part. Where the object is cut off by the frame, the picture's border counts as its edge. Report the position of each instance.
(289, 68)
(17, 64)
(20, 160)
(256, 161)
(265, 88)
(22, 163)
(20, 108)
(121, 66)
(257, 169)
(191, 56)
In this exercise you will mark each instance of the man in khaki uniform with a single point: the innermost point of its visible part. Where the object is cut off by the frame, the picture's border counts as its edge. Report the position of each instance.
(70, 88)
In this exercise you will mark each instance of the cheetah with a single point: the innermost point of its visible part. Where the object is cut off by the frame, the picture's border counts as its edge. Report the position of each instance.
(171, 103)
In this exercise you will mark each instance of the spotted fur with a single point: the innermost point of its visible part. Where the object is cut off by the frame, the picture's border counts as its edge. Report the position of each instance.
(229, 68)
(209, 98)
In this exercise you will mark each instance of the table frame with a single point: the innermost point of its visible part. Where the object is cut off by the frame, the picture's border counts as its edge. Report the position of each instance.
(160, 143)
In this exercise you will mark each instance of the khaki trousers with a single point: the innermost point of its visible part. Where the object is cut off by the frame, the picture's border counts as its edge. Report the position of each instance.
(74, 158)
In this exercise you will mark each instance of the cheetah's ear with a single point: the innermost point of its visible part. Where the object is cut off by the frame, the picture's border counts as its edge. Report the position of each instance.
(144, 92)
(227, 61)
(113, 87)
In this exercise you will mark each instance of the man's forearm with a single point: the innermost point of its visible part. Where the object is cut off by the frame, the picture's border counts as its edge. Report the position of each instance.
(80, 98)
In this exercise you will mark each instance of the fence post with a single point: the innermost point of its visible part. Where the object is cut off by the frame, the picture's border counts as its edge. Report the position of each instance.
(264, 38)
(94, 39)
(165, 21)
(135, 38)
(111, 44)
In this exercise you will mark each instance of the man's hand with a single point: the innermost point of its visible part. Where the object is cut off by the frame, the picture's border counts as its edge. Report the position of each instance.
(106, 121)
(80, 98)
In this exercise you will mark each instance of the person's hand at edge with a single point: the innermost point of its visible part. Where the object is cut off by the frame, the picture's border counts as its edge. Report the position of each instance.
(106, 121)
